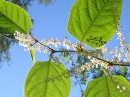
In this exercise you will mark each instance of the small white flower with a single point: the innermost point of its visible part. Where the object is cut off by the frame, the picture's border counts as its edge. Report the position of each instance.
(124, 88)
(118, 86)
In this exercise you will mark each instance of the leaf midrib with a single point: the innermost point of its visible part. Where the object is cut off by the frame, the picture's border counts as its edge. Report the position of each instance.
(92, 22)
(48, 72)
(107, 86)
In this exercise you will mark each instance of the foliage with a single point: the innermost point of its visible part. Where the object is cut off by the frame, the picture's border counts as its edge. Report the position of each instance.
(22, 3)
(93, 22)
(8, 18)
(46, 79)
(46, 2)
(89, 25)
(25, 3)
(114, 86)
(5, 44)
(12, 17)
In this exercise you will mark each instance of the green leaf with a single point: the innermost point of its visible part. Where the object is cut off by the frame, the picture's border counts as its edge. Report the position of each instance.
(47, 79)
(106, 87)
(94, 21)
(13, 18)
(32, 53)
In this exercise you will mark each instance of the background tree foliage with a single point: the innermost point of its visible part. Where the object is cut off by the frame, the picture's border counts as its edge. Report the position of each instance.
(5, 45)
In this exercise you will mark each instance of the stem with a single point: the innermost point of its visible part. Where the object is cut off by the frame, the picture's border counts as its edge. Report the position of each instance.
(79, 86)
(119, 64)
(56, 51)
(64, 51)
(36, 41)
(108, 71)
(112, 63)
(126, 48)
(46, 47)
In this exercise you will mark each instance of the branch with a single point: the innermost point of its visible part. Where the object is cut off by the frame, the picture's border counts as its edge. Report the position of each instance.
(111, 63)
(120, 64)
(64, 51)
(114, 63)
(36, 41)
(79, 86)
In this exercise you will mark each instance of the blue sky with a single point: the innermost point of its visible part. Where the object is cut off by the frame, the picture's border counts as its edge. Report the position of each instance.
(49, 22)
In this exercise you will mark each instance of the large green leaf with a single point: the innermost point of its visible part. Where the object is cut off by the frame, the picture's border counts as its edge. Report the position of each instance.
(47, 79)
(13, 18)
(94, 21)
(105, 87)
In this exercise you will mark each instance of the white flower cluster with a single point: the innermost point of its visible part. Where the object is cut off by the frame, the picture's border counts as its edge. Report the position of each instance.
(28, 42)
(122, 53)
(56, 43)
(44, 45)
(96, 56)
(93, 63)
(121, 88)
(24, 40)
(68, 45)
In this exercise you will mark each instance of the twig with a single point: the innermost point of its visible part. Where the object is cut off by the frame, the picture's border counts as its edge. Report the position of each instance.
(64, 51)
(56, 51)
(79, 86)
(41, 43)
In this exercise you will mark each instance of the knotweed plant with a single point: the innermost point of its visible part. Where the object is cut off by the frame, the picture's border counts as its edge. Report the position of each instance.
(92, 23)
(102, 56)
(119, 55)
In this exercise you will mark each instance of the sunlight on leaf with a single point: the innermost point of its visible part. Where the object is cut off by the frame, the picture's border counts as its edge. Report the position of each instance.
(13, 18)
(105, 87)
(47, 79)
(94, 21)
